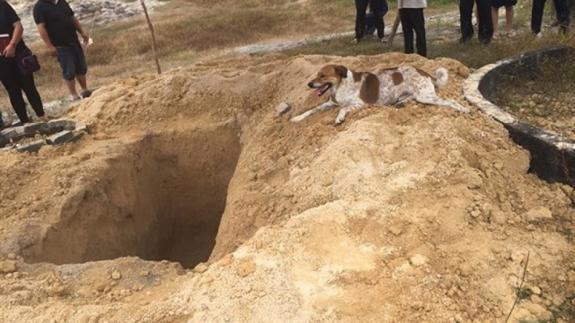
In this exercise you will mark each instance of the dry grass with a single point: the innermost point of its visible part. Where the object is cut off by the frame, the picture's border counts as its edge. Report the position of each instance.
(190, 29)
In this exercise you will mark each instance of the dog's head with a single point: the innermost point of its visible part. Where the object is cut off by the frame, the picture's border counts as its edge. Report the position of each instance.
(328, 79)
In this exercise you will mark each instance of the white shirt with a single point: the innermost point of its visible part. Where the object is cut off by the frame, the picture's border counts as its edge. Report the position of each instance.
(411, 4)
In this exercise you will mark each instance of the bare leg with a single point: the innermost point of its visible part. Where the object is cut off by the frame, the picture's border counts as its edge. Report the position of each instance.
(435, 100)
(495, 17)
(72, 88)
(509, 13)
(82, 81)
(323, 107)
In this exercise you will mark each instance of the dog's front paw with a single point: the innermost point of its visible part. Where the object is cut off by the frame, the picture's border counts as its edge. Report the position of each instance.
(339, 120)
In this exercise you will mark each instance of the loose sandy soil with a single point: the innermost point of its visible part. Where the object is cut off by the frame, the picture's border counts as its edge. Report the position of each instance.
(418, 214)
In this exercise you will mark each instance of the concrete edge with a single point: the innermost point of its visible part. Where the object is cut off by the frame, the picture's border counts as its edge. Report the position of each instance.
(540, 142)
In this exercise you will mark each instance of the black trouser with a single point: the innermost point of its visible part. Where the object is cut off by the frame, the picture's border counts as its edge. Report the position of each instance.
(485, 31)
(361, 9)
(15, 83)
(561, 10)
(413, 20)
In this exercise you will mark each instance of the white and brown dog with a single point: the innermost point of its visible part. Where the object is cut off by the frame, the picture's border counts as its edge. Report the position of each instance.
(351, 90)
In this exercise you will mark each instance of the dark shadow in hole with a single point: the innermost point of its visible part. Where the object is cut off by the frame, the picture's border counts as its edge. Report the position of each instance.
(162, 199)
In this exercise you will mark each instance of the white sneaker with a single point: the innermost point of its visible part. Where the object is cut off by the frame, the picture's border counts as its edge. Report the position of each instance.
(74, 98)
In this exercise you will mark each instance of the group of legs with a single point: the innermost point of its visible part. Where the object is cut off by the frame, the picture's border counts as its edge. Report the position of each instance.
(74, 70)
(378, 9)
(562, 13)
(487, 12)
(15, 83)
(412, 21)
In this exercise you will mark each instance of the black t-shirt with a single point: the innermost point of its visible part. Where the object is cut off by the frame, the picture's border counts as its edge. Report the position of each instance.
(7, 19)
(58, 19)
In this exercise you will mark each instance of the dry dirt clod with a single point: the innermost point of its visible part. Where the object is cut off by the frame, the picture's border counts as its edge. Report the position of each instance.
(116, 275)
(8, 266)
(418, 260)
(396, 230)
(246, 268)
(282, 109)
(201, 268)
(538, 214)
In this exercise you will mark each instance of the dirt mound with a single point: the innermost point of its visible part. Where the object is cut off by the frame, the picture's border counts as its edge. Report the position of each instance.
(411, 214)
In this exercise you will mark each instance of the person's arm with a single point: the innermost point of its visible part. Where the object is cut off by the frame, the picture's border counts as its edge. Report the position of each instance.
(40, 21)
(46, 38)
(12, 19)
(10, 50)
(81, 30)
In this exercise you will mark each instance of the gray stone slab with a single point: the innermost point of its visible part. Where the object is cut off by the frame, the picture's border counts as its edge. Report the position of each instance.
(65, 124)
(77, 135)
(3, 141)
(81, 127)
(13, 134)
(31, 147)
(5, 149)
(31, 129)
(61, 137)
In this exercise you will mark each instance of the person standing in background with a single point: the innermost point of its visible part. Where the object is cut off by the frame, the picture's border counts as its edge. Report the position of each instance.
(377, 9)
(485, 23)
(59, 30)
(413, 20)
(11, 46)
(561, 11)
(509, 13)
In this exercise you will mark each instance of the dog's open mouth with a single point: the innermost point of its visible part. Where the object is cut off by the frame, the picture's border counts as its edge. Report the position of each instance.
(324, 88)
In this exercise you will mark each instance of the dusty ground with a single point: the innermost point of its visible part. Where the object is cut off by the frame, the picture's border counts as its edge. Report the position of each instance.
(411, 215)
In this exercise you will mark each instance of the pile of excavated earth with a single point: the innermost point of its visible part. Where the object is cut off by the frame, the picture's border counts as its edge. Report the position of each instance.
(191, 199)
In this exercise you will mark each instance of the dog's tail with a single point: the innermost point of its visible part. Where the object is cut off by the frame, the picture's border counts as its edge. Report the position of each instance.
(441, 77)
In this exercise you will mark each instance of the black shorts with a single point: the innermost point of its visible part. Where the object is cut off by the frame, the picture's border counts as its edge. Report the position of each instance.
(72, 61)
(503, 3)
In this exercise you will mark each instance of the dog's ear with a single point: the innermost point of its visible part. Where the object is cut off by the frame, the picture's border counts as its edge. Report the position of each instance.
(369, 91)
(341, 70)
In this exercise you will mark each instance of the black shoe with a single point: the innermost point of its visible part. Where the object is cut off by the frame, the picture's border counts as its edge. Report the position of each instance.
(86, 94)
(485, 41)
(464, 40)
